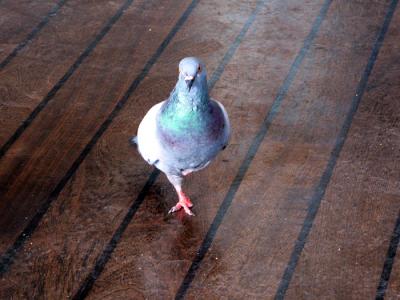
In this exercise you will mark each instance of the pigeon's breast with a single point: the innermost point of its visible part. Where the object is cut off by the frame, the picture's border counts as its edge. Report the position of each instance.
(198, 138)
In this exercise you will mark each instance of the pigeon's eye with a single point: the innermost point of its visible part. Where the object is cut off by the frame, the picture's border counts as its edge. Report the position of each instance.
(199, 69)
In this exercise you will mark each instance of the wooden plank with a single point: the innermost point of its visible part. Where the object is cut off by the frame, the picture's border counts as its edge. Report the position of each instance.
(149, 23)
(237, 260)
(33, 72)
(18, 19)
(393, 289)
(42, 156)
(309, 136)
(86, 232)
(251, 249)
(156, 250)
(346, 249)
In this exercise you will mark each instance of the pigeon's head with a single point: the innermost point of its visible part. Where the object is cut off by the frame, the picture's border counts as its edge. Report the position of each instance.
(193, 72)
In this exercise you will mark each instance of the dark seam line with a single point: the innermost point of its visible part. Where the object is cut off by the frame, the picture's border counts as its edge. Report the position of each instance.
(389, 261)
(326, 176)
(232, 49)
(251, 154)
(109, 249)
(50, 95)
(33, 33)
(7, 259)
(105, 256)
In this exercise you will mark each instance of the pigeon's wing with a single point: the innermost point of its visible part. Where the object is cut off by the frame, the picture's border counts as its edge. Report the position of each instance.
(147, 141)
(227, 125)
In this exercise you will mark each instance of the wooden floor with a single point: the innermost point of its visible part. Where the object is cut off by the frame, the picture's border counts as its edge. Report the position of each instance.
(303, 204)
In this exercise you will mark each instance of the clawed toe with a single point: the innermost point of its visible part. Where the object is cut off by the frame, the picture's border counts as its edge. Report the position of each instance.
(188, 211)
(175, 208)
(180, 205)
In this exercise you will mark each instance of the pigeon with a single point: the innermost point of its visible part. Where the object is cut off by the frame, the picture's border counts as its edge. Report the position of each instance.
(184, 133)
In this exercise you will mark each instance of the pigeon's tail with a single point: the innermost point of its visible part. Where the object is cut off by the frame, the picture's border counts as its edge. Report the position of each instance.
(133, 140)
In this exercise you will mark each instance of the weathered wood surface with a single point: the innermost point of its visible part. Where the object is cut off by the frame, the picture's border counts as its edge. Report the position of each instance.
(41, 157)
(345, 251)
(347, 247)
(32, 73)
(18, 19)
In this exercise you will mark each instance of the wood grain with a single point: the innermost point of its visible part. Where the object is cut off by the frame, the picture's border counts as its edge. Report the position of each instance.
(41, 157)
(92, 205)
(253, 245)
(156, 250)
(393, 289)
(346, 249)
(17, 20)
(27, 79)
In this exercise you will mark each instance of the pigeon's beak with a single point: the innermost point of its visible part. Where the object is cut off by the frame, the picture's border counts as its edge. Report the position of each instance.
(189, 81)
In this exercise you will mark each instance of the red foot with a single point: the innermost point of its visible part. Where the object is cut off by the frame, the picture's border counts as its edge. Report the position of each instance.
(185, 199)
(184, 202)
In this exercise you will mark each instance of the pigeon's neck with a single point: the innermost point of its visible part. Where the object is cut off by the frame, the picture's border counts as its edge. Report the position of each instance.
(195, 99)
(186, 110)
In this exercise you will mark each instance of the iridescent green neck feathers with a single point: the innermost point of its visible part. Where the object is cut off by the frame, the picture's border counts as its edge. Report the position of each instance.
(187, 108)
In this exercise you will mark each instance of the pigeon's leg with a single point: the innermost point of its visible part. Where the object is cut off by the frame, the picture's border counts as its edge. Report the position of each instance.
(184, 201)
